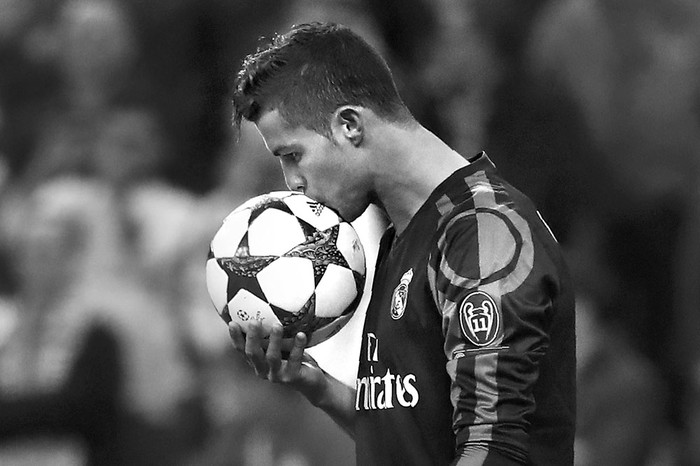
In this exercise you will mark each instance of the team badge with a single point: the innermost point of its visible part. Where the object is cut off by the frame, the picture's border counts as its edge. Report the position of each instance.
(400, 296)
(479, 318)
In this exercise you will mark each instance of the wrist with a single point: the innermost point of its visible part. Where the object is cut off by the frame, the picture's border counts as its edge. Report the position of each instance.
(315, 388)
(332, 396)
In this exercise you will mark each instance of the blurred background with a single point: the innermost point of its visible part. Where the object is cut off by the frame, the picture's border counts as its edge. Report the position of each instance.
(117, 165)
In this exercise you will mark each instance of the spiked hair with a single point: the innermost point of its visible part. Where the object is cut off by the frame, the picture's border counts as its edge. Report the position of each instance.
(309, 72)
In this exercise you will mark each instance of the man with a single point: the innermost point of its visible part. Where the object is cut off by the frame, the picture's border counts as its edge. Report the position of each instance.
(468, 347)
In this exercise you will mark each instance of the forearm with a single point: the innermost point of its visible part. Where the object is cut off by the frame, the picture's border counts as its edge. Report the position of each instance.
(336, 399)
(297, 370)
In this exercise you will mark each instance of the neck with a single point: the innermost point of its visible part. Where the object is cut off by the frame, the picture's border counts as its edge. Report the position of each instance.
(414, 162)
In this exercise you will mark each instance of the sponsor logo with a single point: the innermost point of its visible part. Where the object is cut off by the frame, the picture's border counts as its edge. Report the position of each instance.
(479, 318)
(386, 391)
(372, 347)
(316, 207)
(400, 296)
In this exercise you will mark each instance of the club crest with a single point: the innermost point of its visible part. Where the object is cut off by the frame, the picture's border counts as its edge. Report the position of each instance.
(400, 296)
(479, 318)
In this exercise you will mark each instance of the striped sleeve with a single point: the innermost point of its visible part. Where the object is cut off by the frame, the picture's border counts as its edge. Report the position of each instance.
(494, 320)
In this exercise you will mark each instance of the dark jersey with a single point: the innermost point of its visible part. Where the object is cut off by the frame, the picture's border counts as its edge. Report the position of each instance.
(468, 346)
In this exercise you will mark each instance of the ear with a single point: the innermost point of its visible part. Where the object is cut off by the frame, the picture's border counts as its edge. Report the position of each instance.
(349, 124)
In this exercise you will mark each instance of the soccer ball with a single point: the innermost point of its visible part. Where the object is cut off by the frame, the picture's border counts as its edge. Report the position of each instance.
(283, 257)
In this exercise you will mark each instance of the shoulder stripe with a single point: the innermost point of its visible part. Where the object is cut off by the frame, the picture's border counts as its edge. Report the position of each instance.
(444, 205)
(485, 197)
(484, 412)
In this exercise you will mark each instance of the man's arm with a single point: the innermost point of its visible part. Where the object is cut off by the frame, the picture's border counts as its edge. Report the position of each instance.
(337, 400)
(496, 310)
(298, 371)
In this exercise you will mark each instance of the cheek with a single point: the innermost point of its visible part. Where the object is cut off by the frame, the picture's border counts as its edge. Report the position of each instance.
(322, 177)
(338, 172)
(351, 200)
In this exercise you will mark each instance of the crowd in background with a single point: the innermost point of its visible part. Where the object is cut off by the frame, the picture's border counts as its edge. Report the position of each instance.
(118, 163)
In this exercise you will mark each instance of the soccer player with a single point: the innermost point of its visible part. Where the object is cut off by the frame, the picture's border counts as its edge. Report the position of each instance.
(467, 353)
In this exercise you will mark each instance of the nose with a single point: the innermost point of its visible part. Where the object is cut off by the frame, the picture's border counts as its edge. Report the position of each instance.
(294, 180)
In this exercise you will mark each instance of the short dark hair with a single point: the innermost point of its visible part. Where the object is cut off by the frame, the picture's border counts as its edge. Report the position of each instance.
(312, 70)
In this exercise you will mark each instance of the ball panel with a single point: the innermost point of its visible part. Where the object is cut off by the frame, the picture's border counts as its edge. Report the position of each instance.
(320, 248)
(243, 265)
(316, 214)
(335, 292)
(288, 282)
(350, 246)
(236, 281)
(304, 320)
(246, 308)
(227, 239)
(217, 281)
(274, 232)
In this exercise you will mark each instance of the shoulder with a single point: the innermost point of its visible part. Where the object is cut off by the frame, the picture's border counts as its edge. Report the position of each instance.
(483, 232)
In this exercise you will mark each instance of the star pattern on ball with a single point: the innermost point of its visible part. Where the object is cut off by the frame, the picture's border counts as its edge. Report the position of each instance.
(305, 320)
(245, 265)
(288, 275)
(268, 202)
(320, 248)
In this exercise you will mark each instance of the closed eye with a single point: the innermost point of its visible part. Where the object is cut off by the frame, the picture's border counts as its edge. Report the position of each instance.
(292, 156)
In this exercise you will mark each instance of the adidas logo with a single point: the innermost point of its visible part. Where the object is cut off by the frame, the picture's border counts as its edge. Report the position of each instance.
(316, 207)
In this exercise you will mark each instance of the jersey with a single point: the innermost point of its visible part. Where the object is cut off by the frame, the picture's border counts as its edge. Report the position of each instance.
(469, 343)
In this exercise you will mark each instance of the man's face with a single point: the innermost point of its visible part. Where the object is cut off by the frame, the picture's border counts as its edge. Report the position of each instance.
(327, 171)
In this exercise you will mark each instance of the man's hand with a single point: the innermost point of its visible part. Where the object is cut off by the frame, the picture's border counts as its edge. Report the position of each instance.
(270, 360)
(298, 370)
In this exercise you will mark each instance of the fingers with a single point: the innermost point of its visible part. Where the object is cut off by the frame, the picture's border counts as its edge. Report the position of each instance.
(267, 354)
(236, 333)
(274, 353)
(254, 352)
(296, 355)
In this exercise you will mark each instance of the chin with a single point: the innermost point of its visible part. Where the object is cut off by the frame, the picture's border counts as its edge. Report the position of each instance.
(351, 214)
(342, 213)
(348, 211)
(349, 217)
